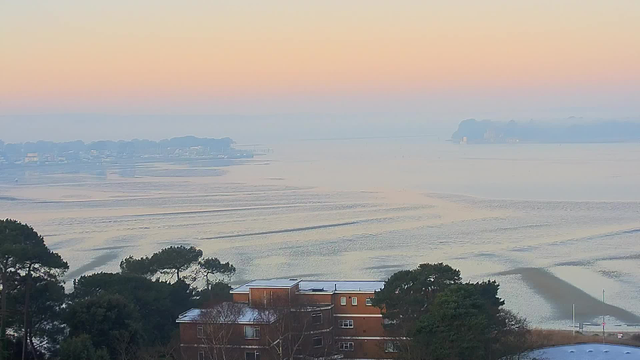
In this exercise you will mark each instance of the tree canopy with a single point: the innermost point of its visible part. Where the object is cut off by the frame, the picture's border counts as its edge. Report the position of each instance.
(178, 263)
(407, 293)
(126, 315)
(460, 323)
(111, 321)
(23, 256)
(158, 302)
(213, 266)
(443, 318)
(81, 348)
(171, 261)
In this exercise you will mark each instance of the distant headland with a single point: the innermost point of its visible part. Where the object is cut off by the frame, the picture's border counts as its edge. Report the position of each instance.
(496, 132)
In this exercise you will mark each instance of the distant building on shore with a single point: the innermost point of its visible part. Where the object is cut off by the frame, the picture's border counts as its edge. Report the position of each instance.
(31, 158)
(286, 318)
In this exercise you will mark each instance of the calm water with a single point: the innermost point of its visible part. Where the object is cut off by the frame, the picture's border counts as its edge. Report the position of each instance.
(554, 224)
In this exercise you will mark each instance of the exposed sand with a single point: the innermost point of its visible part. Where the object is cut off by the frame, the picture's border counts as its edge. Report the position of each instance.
(95, 263)
(338, 213)
(563, 295)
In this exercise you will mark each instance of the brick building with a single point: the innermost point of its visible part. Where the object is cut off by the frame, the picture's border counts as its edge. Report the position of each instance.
(289, 318)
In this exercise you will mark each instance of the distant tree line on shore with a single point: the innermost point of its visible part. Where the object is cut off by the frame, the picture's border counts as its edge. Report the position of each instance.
(133, 147)
(132, 314)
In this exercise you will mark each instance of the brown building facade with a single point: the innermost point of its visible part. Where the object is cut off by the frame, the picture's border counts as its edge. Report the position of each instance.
(288, 318)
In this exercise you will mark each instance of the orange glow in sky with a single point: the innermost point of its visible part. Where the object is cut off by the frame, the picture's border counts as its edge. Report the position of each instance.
(128, 55)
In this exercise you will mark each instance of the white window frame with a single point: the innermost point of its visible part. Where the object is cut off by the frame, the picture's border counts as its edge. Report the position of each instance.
(391, 347)
(256, 354)
(255, 329)
(201, 355)
(368, 301)
(315, 316)
(346, 346)
(200, 331)
(354, 301)
(321, 342)
(343, 301)
(345, 324)
(386, 321)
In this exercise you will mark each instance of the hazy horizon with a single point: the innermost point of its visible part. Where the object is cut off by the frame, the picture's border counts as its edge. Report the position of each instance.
(242, 129)
(157, 69)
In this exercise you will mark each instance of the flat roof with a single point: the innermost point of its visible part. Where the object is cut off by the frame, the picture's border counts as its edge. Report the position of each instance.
(268, 283)
(331, 286)
(340, 286)
(587, 351)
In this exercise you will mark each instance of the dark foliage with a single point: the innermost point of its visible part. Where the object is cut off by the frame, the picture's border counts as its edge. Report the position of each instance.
(443, 318)
(111, 321)
(406, 294)
(158, 302)
(81, 348)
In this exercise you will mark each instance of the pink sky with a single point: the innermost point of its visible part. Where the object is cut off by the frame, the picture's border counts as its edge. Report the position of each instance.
(452, 58)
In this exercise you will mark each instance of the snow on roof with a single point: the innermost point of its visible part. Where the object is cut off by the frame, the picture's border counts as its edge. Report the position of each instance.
(227, 313)
(340, 286)
(270, 283)
(586, 351)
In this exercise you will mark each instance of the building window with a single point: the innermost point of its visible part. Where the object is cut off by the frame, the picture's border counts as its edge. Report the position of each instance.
(343, 301)
(391, 347)
(201, 355)
(316, 318)
(354, 301)
(251, 332)
(346, 324)
(346, 346)
(200, 331)
(369, 301)
(252, 355)
(317, 341)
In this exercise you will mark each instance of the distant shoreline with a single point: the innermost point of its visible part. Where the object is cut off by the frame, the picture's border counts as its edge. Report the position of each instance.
(471, 131)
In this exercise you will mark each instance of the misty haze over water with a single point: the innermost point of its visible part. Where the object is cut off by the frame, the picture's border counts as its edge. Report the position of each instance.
(554, 224)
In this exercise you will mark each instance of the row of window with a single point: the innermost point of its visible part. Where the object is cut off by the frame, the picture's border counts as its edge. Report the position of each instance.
(389, 346)
(354, 301)
(249, 355)
(253, 332)
(250, 332)
(348, 324)
(345, 324)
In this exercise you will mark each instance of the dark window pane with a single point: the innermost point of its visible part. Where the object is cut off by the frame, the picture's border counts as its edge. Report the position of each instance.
(317, 341)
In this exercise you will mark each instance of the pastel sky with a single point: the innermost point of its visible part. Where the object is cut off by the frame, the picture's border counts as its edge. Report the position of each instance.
(438, 61)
